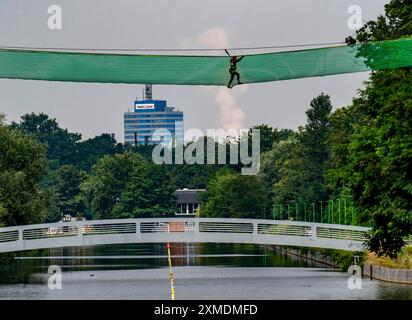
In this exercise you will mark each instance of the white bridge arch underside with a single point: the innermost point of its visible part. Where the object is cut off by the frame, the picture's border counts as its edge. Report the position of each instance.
(189, 230)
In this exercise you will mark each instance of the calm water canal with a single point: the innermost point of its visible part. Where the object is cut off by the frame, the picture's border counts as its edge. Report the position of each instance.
(201, 271)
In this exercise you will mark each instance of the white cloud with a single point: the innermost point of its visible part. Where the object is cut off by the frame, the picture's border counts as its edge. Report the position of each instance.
(213, 38)
(231, 116)
(210, 38)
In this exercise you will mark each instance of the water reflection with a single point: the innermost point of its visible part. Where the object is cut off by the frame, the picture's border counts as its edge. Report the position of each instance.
(202, 271)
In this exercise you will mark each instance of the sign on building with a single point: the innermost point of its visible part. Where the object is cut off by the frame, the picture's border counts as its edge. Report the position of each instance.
(143, 106)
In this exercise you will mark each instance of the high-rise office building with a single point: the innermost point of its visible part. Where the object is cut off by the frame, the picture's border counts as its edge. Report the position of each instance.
(152, 120)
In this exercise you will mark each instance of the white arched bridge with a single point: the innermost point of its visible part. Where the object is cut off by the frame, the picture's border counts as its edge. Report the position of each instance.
(206, 230)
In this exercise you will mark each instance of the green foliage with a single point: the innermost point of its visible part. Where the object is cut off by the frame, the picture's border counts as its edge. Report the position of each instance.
(145, 150)
(287, 172)
(65, 183)
(315, 149)
(66, 148)
(343, 122)
(272, 167)
(108, 178)
(295, 167)
(61, 145)
(90, 150)
(126, 185)
(53, 212)
(148, 193)
(378, 165)
(22, 162)
(236, 196)
(269, 136)
(344, 259)
(194, 176)
(313, 137)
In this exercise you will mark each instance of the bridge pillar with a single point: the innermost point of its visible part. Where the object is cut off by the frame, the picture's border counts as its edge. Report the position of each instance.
(313, 230)
(20, 242)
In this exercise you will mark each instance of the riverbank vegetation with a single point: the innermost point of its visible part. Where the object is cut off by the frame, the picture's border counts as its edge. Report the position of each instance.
(331, 257)
(360, 153)
(402, 261)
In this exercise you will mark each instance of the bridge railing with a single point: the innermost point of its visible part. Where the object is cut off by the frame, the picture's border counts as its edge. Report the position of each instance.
(177, 229)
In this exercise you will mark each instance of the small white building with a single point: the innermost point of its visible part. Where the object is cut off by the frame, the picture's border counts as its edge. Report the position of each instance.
(188, 201)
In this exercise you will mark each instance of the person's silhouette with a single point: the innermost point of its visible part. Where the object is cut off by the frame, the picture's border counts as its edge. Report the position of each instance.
(233, 70)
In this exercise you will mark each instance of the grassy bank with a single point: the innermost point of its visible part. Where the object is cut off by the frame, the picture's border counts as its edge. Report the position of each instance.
(403, 261)
(341, 258)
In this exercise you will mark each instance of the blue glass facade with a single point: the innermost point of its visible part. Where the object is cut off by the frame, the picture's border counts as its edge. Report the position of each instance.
(151, 122)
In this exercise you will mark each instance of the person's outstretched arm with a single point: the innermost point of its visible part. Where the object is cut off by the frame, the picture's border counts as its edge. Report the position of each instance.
(240, 58)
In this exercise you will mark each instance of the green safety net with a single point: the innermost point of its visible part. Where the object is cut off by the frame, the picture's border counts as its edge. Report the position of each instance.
(202, 70)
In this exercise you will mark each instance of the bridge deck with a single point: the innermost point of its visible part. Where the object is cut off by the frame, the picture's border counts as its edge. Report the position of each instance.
(218, 230)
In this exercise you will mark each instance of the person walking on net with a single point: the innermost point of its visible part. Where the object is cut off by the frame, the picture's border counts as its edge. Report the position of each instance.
(233, 69)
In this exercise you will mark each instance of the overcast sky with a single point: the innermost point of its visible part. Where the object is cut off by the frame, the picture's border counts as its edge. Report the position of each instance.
(93, 109)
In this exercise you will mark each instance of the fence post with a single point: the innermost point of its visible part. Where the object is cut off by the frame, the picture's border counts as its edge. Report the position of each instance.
(329, 212)
(313, 212)
(296, 207)
(353, 216)
(344, 208)
(321, 212)
(339, 211)
(305, 210)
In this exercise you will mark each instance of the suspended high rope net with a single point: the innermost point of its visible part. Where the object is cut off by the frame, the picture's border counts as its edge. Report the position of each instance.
(202, 70)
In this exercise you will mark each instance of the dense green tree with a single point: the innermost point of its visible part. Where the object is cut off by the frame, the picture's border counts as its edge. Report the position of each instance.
(145, 150)
(270, 136)
(378, 168)
(281, 170)
(61, 145)
(53, 212)
(314, 147)
(294, 170)
(90, 150)
(64, 147)
(103, 188)
(149, 192)
(197, 175)
(194, 176)
(233, 195)
(22, 162)
(342, 125)
(126, 185)
(65, 183)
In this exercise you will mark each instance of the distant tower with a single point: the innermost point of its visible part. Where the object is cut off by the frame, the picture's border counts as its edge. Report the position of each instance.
(148, 91)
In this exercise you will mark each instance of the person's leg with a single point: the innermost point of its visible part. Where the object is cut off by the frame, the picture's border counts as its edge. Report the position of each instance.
(238, 78)
(231, 79)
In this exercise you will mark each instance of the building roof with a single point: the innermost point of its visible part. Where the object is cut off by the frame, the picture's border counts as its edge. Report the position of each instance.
(188, 195)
